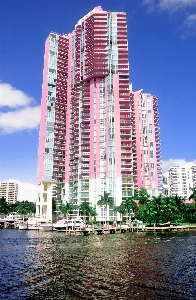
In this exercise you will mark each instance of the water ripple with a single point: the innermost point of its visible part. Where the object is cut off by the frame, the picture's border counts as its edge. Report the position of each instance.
(44, 265)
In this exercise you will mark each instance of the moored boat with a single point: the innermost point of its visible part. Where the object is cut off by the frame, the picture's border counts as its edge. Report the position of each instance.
(33, 224)
(67, 225)
(60, 224)
(10, 222)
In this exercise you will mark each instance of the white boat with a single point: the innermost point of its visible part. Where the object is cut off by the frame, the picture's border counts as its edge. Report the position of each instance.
(33, 224)
(11, 221)
(67, 225)
(22, 226)
(47, 226)
(61, 224)
(76, 224)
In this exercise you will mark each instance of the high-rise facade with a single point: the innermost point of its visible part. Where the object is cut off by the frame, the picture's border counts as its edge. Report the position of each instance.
(147, 162)
(179, 179)
(87, 128)
(9, 190)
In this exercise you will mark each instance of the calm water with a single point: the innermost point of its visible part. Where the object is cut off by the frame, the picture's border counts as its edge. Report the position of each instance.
(50, 265)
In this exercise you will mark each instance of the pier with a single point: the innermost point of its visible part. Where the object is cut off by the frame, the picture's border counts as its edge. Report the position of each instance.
(125, 229)
(8, 223)
(13, 224)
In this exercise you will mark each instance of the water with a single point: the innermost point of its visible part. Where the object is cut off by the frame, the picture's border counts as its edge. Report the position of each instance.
(51, 265)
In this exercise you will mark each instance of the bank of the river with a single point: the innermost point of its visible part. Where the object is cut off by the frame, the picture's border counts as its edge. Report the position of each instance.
(51, 265)
(4, 224)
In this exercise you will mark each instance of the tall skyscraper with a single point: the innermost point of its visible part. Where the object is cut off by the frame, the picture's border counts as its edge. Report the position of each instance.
(87, 128)
(147, 162)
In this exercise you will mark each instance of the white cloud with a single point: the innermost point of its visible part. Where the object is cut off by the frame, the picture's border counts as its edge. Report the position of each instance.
(190, 25)
(186, 8)
(171, 5)
(166, 164)
(26, 191)
(25, 118)
(20, 114)
(11, 97)
(150, 4)
(176, 4)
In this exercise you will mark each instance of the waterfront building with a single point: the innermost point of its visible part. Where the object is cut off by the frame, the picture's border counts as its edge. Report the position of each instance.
(179, 179)
(147, 162)
(166, 189)
(193, 169)
(87, 128)
(9, 190)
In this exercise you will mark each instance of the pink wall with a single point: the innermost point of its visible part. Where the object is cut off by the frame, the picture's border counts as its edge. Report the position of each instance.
(137, 131)
(91, 164)
(117, 125)
(98, 158)
(154, 145)
(67, 138)
(42, 132)
(107, 144)
(141, 178)
(150, 148)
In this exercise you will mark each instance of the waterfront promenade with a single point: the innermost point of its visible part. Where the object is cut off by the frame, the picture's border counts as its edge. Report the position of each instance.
(106, 229)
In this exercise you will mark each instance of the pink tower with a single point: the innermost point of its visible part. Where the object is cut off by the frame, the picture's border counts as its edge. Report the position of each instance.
(87, 124)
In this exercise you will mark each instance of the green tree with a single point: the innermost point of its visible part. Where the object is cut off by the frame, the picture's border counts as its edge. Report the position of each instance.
(4, 206)
(141, 195)
(66, 208)
(193, 195)
(121, 209)
(12, 207)
(190, 215)
(53, 205)
(105, 201)
(146, 213)
(84, 207)
(87, 209)
(130, 206)
(25, 208)
(178, 205)
(160, 210)
(153, 211)
(93, 214)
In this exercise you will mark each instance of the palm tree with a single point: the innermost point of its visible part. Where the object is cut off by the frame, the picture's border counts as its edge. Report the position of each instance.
(66, 208)
(105, 201)
(121, 209)
(85, 207)
(92, 213)
(130, 206)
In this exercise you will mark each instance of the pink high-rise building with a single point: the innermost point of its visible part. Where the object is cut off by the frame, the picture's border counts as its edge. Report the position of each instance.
(147, 162)
(87, 121)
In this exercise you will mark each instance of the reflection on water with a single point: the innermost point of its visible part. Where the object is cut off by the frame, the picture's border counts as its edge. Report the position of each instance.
(50, 265)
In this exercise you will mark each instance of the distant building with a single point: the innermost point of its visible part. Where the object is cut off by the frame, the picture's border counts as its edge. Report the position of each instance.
(193, 168)
(9, 190)
(179, 179)
(147, 162)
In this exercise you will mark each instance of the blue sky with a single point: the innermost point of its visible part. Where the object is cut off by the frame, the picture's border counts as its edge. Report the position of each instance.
(162, 58)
